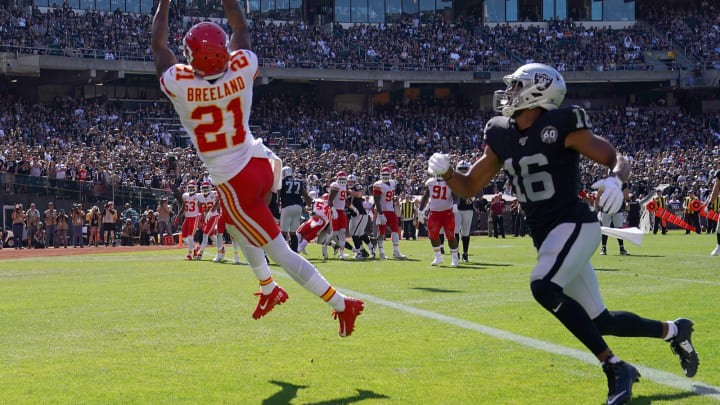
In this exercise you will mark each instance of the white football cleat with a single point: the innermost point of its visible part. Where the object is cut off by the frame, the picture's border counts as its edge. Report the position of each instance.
(382, 256)
(219, 258)
(455, 261)
(236, 260)
(398, 255)
(716, 251)
(438, 261)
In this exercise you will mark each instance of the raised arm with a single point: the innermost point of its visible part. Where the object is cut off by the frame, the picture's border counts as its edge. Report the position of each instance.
(480, 174)
(163, 56)
(240, 38)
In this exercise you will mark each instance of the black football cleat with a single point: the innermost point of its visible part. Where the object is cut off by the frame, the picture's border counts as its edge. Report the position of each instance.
(603, 251)
(681, 345)
(465, 258)
(624, 252)
(621, 377)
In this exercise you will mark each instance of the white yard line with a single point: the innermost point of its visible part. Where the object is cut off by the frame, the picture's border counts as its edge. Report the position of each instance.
(657, 376)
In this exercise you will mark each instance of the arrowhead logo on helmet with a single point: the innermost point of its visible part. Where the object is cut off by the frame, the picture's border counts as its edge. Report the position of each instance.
(342, 178)
(205, 47)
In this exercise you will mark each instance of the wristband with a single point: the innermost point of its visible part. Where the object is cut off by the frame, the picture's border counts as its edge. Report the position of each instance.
(452, 173)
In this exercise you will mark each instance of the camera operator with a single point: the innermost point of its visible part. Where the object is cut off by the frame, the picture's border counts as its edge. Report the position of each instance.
(18, 224)
(109, 218)
(50, 225)
(33, 219)
(62, 228)
(78, 219)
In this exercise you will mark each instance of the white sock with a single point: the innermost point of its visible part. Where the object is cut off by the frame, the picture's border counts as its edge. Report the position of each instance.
(219, 242)
(437, 251)
(380, 245)
(204, 243)
(454, 253)
(235, 246)
(304, 273)
(324, 249)
(301, 245)
(396, 241)
(256, 258)
(613, 360)
(190, 244)
(672, 330)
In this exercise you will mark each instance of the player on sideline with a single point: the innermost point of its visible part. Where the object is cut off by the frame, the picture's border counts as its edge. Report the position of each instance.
(192, 209)
(442, 215)
(292, 194)
(213, 99)
(336, 203)
(384, 197)
(464, 214)
(713, 197)
(613, 220)
(539, 145)
(359, 220)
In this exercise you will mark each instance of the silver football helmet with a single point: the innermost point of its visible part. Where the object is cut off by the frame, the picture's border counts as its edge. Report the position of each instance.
(351, 180)
(463, 167)
(531, 86)
(287, 171)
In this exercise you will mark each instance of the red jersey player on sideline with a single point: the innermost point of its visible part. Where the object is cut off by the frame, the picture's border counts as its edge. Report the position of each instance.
(442, 215)
(384, 196)
(191, 208)
(213, 96)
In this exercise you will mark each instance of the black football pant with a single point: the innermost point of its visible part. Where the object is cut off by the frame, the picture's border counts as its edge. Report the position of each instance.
(498, 226)
(694, 221)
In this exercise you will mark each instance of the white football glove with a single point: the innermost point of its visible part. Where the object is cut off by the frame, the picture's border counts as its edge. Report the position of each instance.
(438, 164)
(612, 195)
(381, 219)
(334, 213)
(455, 209)
(355, 210)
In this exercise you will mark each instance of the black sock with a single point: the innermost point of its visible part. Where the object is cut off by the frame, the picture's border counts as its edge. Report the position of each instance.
(466, 244)
(457, 236)
(620, 243)
(718, 237)
(358, 242)
(604, 240)
(627, 324)
(293, 242)
(366, 239)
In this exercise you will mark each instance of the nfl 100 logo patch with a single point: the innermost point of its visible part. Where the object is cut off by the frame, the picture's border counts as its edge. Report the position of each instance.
(549, 134)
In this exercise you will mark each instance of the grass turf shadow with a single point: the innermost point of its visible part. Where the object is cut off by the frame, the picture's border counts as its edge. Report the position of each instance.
(289, 391)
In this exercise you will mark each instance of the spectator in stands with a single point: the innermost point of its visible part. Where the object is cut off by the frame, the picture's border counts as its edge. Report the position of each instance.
(62, 226)
(18, 225)
(50, 219)
(78, 219)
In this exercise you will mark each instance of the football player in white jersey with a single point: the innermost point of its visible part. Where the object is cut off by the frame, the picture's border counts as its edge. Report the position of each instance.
(191, 208)
(213, 97)
(209, 203)
(384, 196)
(442, 209)
(316, 224)
(336, 203)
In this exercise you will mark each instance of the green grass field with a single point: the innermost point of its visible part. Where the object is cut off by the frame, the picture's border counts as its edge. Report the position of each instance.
(150, 328)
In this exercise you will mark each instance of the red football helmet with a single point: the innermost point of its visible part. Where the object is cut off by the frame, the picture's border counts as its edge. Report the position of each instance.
(342, 178)
(386, 174)
(206, 49)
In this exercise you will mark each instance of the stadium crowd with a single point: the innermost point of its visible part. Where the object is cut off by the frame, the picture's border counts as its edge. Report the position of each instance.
(407, 45)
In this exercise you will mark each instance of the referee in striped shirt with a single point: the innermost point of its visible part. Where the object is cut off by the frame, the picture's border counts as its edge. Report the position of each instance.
(409, 214)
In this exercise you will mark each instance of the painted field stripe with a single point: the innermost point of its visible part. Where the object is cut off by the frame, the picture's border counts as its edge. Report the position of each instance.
(657, 376)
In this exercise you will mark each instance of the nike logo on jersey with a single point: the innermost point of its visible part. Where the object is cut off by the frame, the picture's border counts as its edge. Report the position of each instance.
(557, 308)
(612, 399)
(523, 140)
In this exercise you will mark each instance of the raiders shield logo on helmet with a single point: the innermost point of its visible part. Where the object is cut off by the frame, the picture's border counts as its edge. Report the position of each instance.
(543, 81)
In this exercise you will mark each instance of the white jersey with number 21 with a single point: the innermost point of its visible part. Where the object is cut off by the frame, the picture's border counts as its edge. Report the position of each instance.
(215, 114)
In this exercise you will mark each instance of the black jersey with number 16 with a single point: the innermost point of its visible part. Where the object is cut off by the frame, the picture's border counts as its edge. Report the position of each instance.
(545, 174)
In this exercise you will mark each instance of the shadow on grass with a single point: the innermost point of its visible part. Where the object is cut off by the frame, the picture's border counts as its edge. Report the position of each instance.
(435, 290)
(478, 265)
(651, 399)
(610, 270)
(289, 391)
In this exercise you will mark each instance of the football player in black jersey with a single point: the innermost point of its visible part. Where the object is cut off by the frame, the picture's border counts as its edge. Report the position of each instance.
(358, 218)
(464, 215)
(713, 197)
(292, 194)
(539, 145)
